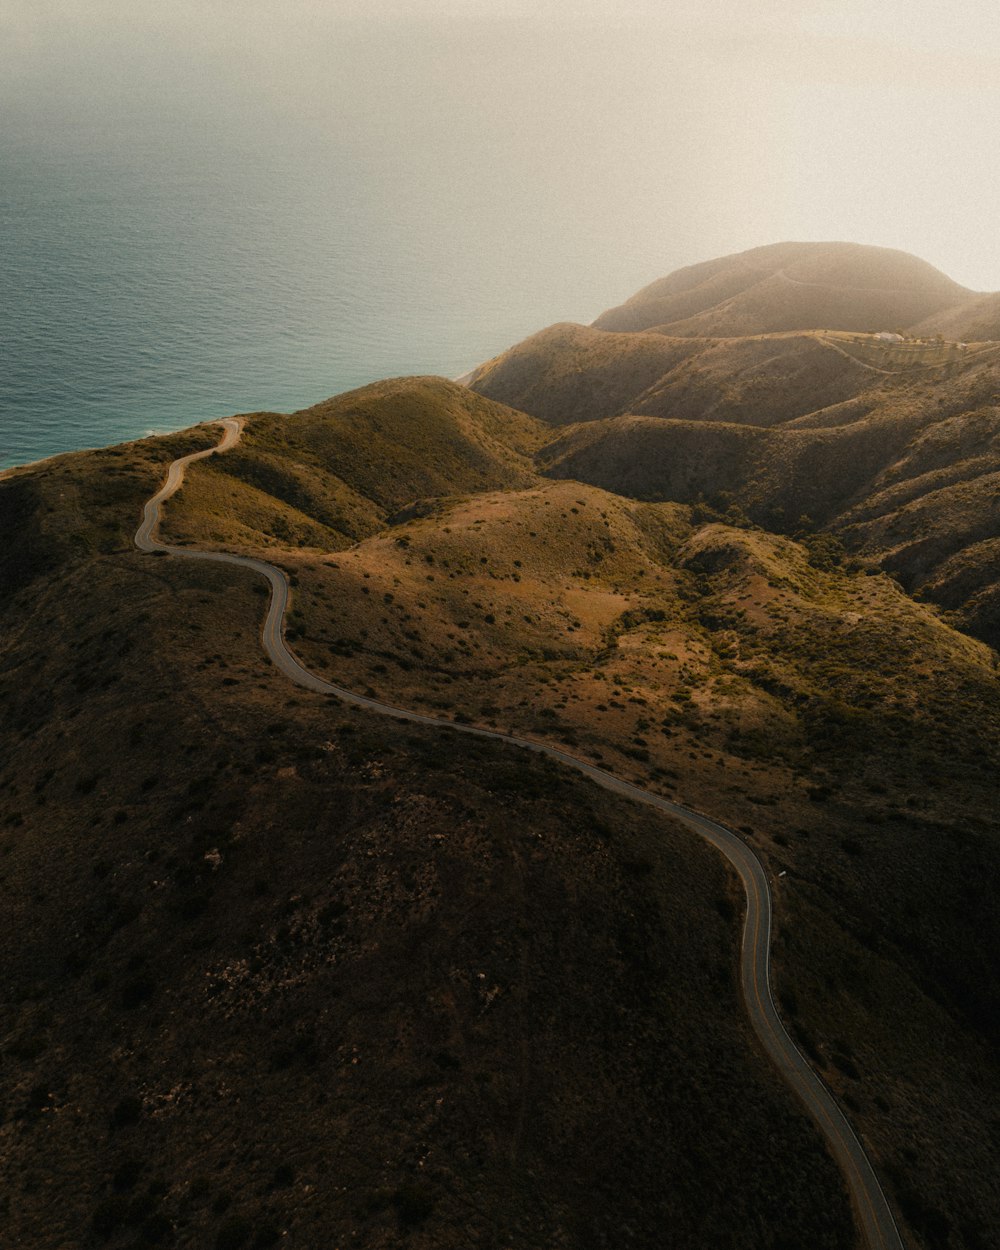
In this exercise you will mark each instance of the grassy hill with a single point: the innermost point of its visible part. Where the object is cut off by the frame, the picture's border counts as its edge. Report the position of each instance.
(331, 474)
(790, 286)
(53, 513)
(905, 476)
(569, 374)
(845, 728)
(784, 477)
(892, 449)
(281, 972)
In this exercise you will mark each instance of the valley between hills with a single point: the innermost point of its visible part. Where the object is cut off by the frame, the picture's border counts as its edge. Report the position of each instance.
(282, 972)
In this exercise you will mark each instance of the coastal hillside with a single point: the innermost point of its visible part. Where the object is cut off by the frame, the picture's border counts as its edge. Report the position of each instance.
(571, 373)
(891, 447)
(336, 472)
(790, 286)
(781, 685)
(285, 972)
(279, 972)
(907, 480)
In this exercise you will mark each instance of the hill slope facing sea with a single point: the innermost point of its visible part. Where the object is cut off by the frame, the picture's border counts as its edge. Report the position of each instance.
(282, 972)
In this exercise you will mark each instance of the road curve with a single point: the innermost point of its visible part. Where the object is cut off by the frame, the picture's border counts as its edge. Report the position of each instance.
(870, 1205)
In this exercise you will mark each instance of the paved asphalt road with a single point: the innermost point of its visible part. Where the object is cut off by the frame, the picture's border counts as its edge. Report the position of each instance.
(871, 1208)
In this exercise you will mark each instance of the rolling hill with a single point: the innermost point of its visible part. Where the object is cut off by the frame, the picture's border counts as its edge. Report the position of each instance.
(336, 472)
(896, 457)
(283, 973)
(790, 286)
(846, 728)
(975, 320)
(569, 373)
(276, 971)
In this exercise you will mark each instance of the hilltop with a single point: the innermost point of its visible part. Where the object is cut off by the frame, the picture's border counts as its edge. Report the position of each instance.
(790, 286)
(335, 472)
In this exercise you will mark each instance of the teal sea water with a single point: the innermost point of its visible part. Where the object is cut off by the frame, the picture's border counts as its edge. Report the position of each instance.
(146, 288)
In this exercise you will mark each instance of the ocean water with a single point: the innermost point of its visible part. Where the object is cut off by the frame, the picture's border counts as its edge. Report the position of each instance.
(209, 209)
(151, 285)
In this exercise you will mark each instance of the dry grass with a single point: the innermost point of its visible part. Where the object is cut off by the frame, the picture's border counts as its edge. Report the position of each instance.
(502, 1006)
(276, 968)
(847, 729)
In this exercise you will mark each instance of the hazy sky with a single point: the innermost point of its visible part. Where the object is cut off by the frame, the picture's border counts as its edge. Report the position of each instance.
(666, 133)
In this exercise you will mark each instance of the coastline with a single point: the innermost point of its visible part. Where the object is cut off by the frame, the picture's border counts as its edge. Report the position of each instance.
(13, 469)
(464, 379)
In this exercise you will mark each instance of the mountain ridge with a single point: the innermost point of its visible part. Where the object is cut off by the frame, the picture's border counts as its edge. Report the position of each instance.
(830, 419)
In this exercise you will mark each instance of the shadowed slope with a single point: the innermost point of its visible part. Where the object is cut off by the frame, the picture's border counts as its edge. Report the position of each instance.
(72, 507)
(775, 475)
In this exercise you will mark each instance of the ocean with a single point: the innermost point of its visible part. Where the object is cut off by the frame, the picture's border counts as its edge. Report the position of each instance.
(148, 286)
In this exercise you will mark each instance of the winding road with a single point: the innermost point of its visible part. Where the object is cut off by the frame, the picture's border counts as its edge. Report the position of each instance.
(870, 1205)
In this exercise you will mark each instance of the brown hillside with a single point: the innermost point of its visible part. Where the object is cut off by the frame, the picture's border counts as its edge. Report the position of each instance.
(331, 474)
(757, 381)
(976, 320)
(775, 475)
(574, 373)
(790, 286)
(906, 475)
(409, 437)
(571, 373)
(278, 972)
(281, 973)
(52, 513)
(846, 729)
(894, 450)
